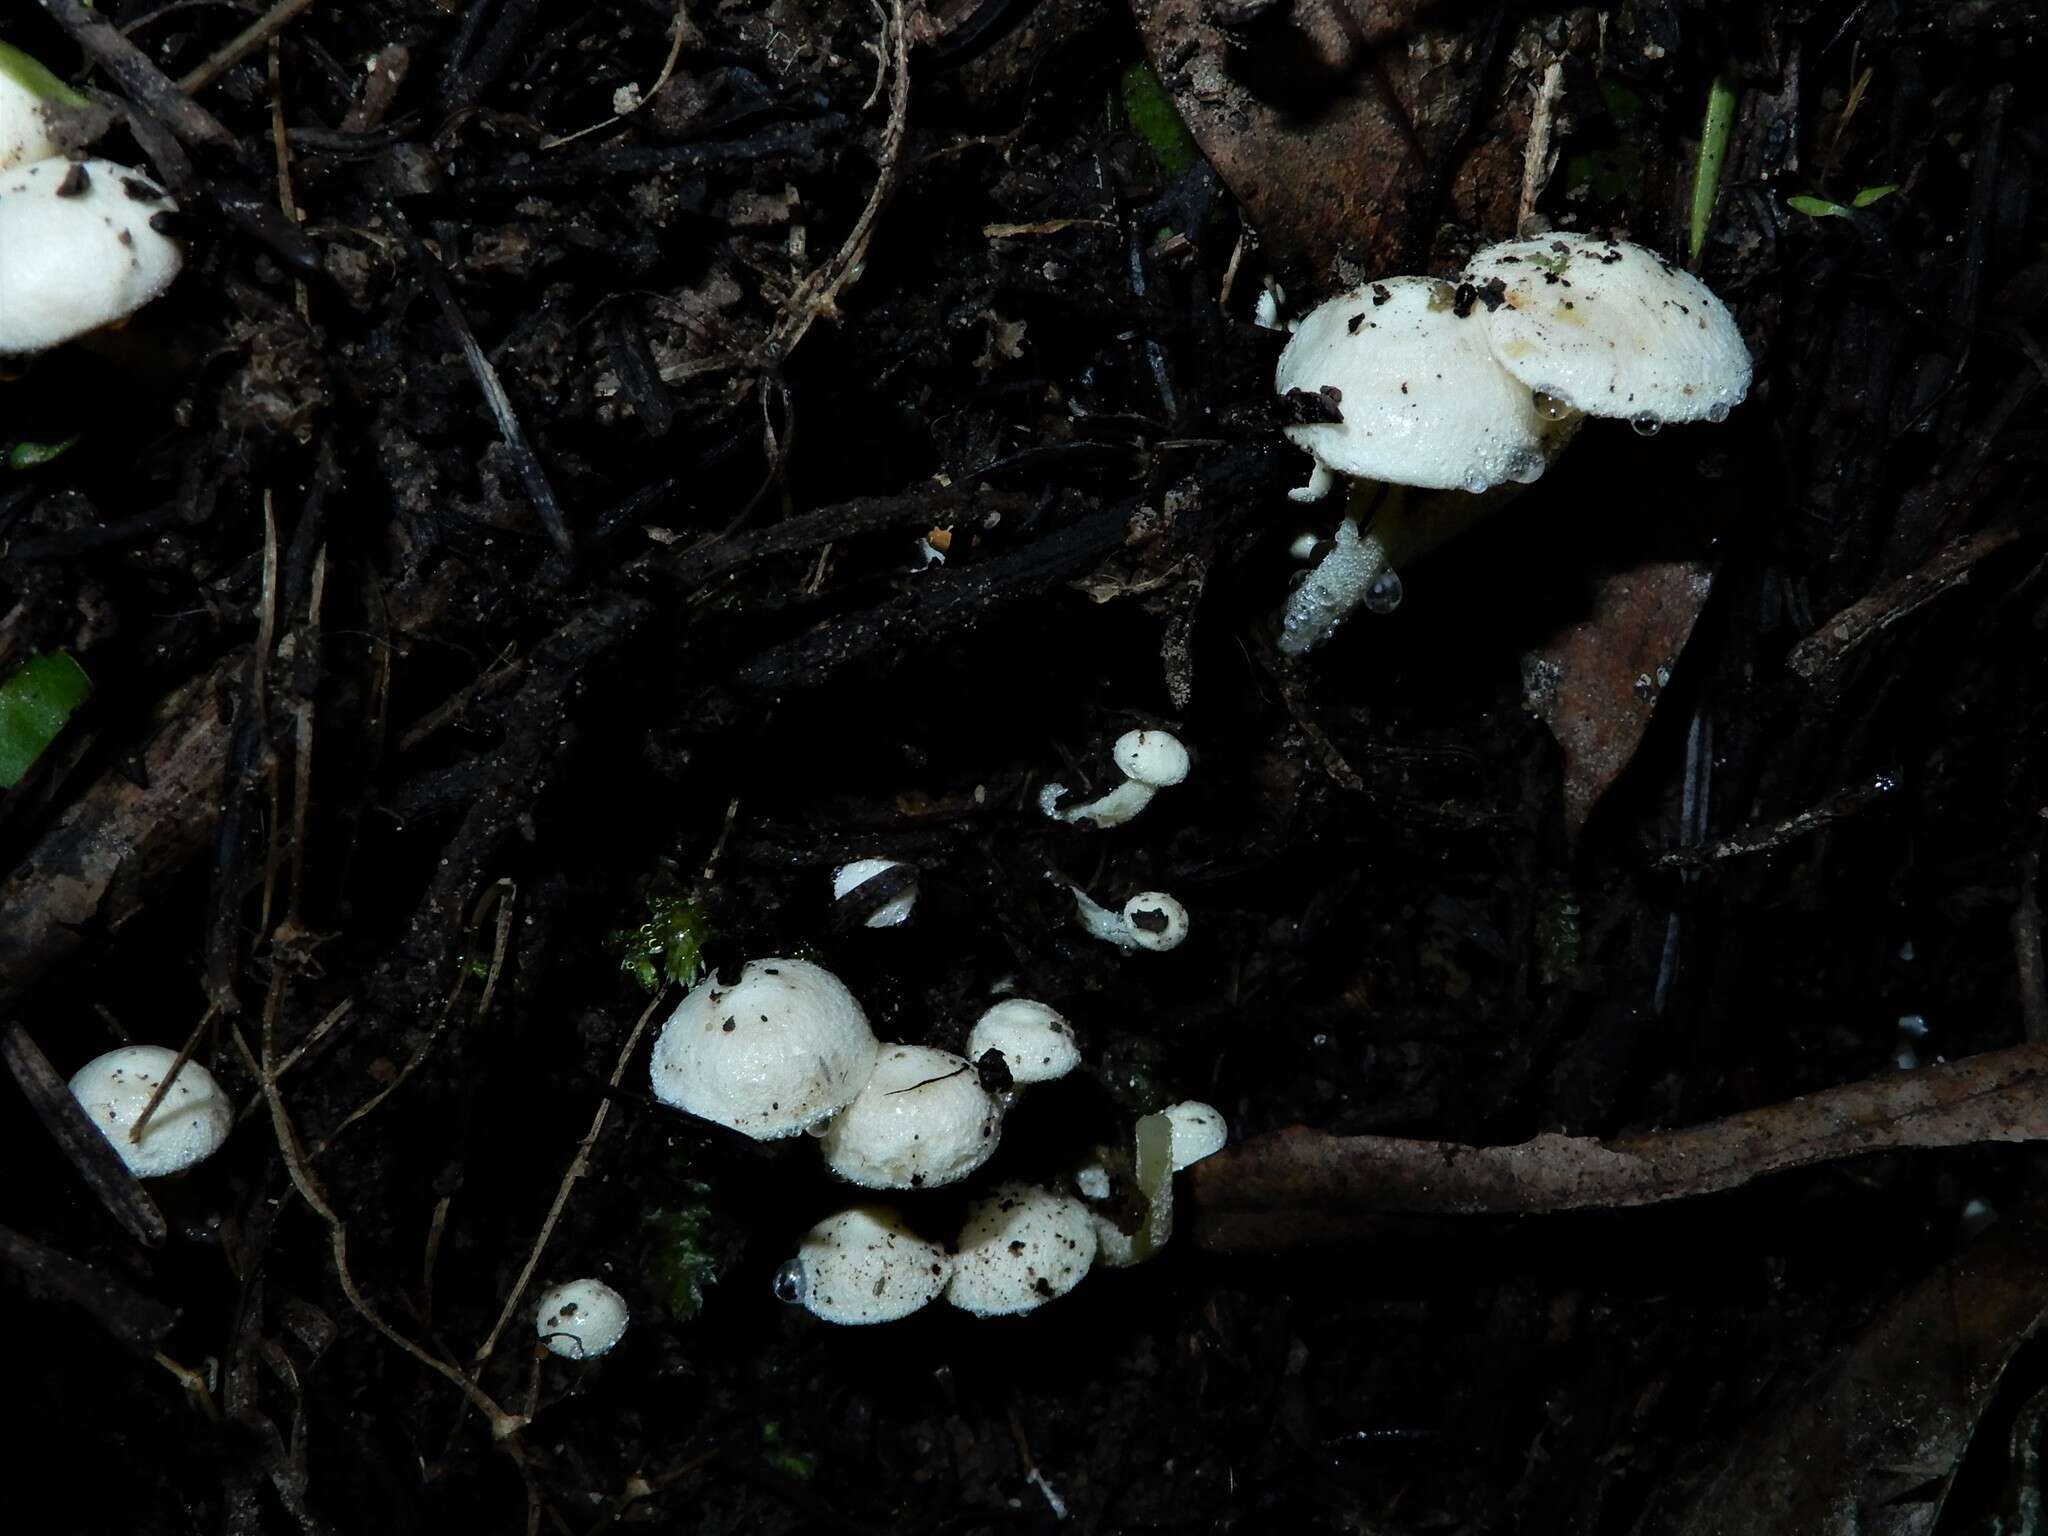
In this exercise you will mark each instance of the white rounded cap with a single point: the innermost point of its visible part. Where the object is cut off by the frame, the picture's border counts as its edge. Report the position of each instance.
(922, 1120)
(892, 913)
(1154, 920)
(581, 1319)
(1156, 758)
(186, 1128)
(1035, 1042)
(24, 118)
(1611, 329)
(781, 1049)
(77, 251)
(1019, 1249)
(865, 1266)
(1198, 1130)
(1422, 400)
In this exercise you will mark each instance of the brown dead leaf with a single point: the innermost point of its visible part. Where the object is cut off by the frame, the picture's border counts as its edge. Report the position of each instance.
(1334, 124)
(1596, 682)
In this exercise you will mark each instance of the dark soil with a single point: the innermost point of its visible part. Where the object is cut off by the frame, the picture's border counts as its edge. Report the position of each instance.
(733, 664)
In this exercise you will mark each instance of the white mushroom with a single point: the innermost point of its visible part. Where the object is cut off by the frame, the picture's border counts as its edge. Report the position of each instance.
(79, 250)
(864, 1266)
(1149, 761)
(1198, 1131)
(780, 1050)
(1020, 1248)
(581, 1319)
(1610, 329)
(28, 92)
(1149, 920)
(187, 1127)
(1036, 1044)
(922, 1120)
(894, 912)
(1412, 396)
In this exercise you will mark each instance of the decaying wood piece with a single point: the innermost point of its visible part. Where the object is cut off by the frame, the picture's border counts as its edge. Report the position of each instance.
(121, 840)
(1297, 1187)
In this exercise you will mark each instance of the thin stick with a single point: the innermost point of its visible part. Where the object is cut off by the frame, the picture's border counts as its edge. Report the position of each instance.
(1760, 839)
(577, 1166)
(1822, 650)
(184, 1055)
(149, 87)
(1298, 1187)
(244, 43)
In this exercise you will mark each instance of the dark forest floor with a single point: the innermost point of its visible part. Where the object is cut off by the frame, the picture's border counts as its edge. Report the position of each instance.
(409, 705)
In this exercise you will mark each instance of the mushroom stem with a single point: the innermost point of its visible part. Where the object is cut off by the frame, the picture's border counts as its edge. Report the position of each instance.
(1373, 542)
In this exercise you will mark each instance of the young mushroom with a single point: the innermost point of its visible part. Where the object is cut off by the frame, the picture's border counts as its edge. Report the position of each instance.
(81, 247)
(779, 1051)
(1149, 761)
(581, 1319)
(1036, 1044)
(1149, 920)
(1196, 1131)
(922, 1120)
(188, 1125)
(893, 881)
(1471, 389)
(1018, 1249)
(863, 1266)
(32, 101)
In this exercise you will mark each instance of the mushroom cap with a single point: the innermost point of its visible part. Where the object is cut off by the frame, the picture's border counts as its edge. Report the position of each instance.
(1154, 920)
(892, 913)
(922, 1120)
(1422, 400)
(864, 1266)
(581, 1319)
(1198, 1130)
(1035, 1042)
(24, 122)
(1156, 758)
(1611, 329)
(779, 1050)
(1020, 1248)
(187, 1127)
(77, 251)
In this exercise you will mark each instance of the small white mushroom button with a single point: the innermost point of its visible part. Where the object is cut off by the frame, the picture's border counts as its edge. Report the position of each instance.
(1149, 920)
(1018, 1249)
(922, 1120)
(188, 1126)
(777, 1052)
(1198, 1132)
(1149, 761)
(79, 249)
(895, 911)
(1036, 1044)
(581, 1319)
(863, 1266)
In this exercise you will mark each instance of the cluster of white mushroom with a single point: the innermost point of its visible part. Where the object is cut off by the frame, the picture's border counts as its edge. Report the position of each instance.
(1478, 383)
(82, 242)
(786, 1048)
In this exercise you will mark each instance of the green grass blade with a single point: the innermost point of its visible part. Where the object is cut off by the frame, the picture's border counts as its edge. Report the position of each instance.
(1706, 180)
(35, 701)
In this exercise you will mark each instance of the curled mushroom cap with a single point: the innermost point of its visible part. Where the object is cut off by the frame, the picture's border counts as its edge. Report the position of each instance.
(187, 1127)
(864, 1266)
(894, 912)
(1020, 1248)
(1398, 385)
(1034, 1041)
(1155, 920)
(1610, 329)
(1198, 1131)
(581, 1319)
(78, 250)
(1157, 758)
(781, 1049)
(923, 1119)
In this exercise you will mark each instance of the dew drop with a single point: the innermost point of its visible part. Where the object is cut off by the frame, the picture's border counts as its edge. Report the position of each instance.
(1647, 426)
(1550, 407)
(791, 1283)
(1384, 595)
(1718, 411)
(1478, 483)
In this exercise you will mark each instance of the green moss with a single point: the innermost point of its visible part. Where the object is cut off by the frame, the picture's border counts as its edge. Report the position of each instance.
(1152, 116)
(682, 1253)
(668, 947)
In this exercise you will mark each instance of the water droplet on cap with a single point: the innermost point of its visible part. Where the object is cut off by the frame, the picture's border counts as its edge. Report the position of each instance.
(791, 1283)
(1550, 407)
(1647, 425)
(1718, 411)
